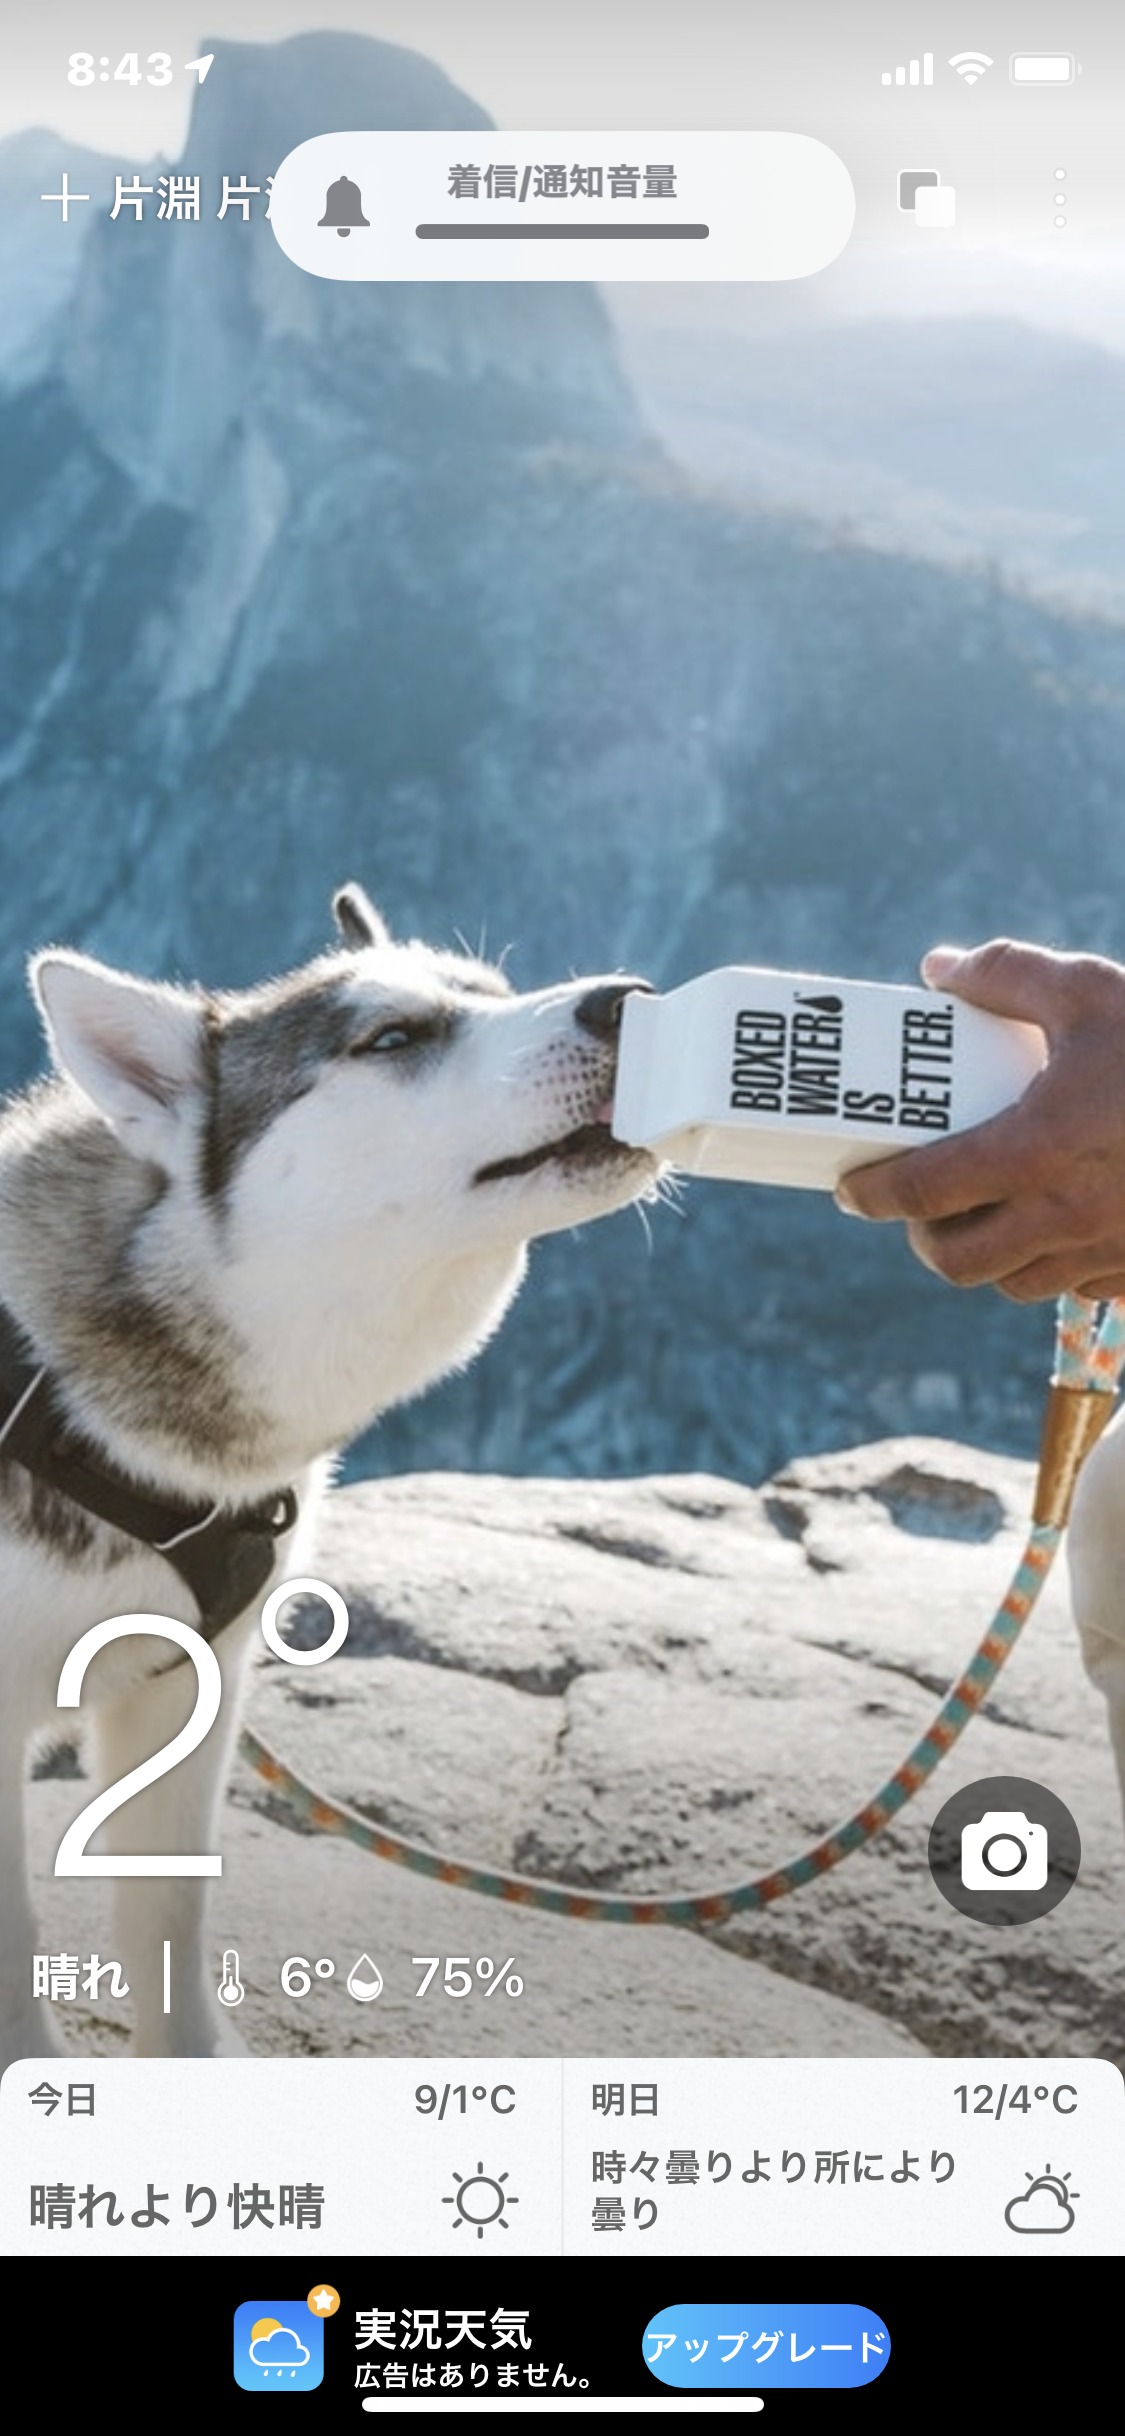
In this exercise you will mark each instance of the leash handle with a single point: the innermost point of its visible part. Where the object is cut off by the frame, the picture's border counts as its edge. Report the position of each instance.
(1089, 1358)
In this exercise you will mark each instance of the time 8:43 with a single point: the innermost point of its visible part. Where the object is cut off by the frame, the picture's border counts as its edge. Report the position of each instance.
(86, 70)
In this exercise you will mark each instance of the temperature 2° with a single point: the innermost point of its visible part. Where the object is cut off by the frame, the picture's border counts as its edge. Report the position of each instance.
(460, 1974)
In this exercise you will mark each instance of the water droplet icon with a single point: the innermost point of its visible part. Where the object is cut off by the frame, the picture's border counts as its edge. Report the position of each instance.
(364, 1982)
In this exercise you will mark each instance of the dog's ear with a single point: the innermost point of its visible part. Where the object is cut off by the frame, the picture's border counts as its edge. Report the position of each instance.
(357, 921)
(134, 1048)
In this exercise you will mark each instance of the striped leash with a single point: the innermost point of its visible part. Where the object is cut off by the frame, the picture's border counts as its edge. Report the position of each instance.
(1089, 1358)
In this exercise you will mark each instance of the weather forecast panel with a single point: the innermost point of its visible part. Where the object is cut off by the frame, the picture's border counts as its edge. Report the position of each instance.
(610, 2157)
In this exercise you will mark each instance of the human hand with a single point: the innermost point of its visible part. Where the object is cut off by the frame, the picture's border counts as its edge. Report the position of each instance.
(1033, 1201)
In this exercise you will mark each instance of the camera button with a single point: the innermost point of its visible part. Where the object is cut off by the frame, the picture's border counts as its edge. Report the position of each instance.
(1004, 1850)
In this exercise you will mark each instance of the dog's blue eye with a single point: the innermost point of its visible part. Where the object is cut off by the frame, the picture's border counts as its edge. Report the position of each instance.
(391, 1039)
(393, 1036)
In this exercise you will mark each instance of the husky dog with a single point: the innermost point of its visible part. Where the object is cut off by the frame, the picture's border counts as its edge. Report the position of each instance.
(233, 1229)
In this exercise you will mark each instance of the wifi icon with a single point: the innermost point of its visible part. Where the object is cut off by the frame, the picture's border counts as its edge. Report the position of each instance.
(970, 65)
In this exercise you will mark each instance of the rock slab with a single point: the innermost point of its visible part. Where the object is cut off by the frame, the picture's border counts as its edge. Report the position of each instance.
(662, 1684)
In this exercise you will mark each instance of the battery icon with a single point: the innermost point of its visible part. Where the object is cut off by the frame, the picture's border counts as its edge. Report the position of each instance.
(1042, 68)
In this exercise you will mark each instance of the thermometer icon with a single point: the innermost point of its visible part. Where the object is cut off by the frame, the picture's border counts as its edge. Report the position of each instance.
(230, 1989)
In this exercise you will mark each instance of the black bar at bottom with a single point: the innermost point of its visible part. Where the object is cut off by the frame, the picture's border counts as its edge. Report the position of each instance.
(562, 228)
(584, 2317)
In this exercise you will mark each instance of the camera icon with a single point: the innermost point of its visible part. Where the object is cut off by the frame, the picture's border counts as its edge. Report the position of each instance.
(1003, 1849)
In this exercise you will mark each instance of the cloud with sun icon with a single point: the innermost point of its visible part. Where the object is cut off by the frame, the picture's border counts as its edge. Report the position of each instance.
(276, 2347)
(1043, 2208)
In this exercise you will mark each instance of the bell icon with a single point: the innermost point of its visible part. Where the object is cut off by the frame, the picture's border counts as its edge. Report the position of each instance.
(343, 210)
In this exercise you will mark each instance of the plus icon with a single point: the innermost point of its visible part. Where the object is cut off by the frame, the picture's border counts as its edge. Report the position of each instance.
(66, 198)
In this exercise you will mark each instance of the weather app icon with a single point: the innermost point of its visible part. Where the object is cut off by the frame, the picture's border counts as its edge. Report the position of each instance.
(278, 2347)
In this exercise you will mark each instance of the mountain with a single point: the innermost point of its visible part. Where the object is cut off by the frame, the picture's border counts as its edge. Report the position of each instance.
(41, 255)
(303, 578)
(960, 439)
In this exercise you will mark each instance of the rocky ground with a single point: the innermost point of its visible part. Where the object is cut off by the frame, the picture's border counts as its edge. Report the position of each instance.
(660, 1683)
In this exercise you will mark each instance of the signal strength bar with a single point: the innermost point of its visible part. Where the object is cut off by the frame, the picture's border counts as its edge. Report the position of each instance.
(918, 72)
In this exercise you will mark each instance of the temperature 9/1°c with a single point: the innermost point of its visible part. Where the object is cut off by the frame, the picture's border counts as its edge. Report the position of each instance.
(456, 2097)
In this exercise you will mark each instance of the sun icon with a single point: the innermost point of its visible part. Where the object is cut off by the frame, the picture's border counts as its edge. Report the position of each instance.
(265, 2326)
(480, 2199)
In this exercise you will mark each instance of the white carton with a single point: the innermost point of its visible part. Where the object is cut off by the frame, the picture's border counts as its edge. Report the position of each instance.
(792, 1078)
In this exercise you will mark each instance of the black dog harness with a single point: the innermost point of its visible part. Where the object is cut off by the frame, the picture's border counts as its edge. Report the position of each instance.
(224, 1556)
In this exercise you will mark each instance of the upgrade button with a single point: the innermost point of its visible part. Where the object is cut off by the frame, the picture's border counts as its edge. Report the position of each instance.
(760, 2343)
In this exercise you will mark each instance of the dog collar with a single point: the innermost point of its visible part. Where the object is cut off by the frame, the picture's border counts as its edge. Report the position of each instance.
(225, 1555)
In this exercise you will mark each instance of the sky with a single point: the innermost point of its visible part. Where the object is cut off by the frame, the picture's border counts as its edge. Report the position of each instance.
(813, 65)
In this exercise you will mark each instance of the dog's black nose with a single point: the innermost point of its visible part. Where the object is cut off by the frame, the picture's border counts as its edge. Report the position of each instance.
(599, 1011)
